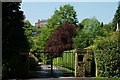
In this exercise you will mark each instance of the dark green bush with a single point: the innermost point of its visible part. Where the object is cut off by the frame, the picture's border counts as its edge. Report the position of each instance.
(15, 67)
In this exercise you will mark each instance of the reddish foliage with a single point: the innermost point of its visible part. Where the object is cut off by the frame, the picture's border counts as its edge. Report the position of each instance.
(61, 39)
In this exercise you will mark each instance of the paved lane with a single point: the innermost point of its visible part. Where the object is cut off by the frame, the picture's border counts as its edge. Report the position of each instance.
(45, 72)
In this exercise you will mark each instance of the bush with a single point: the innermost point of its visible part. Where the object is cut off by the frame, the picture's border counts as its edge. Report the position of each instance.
(107, 56)
(16, 67)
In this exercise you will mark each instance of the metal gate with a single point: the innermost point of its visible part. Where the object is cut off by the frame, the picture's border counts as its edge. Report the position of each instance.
(69, 64)
(62, 66)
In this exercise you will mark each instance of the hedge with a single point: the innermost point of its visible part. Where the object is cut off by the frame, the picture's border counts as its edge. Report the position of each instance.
(107, 56)
(67, 60)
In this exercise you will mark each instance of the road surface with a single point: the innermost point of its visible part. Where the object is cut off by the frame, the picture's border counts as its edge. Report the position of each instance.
(44, 71)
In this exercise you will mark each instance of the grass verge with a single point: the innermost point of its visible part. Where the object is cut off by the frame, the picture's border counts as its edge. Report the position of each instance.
(64, 68)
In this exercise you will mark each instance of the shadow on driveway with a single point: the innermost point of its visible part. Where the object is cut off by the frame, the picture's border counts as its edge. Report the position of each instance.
(44, 71)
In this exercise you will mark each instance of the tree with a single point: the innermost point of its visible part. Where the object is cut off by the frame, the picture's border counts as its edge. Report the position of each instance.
(65, 13)
(61, 39)
(13, 33)
(13, 41)
(91, 26)
(108, 27)
(116, 18)
(27, 23)
(86, 32)
(37, 41)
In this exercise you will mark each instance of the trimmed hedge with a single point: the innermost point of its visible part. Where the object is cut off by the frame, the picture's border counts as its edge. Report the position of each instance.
(107, 56)
(67, 60)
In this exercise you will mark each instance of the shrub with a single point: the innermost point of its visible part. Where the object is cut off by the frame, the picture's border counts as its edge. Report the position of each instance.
(107, 56)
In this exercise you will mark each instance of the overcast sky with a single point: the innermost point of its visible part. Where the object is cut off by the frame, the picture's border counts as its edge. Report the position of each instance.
(103, 11)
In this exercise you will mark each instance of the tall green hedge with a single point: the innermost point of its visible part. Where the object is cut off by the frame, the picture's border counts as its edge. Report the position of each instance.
(107, 56)
(67, 60)
(58, 61)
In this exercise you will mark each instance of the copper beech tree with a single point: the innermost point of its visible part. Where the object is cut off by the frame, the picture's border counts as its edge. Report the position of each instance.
(61, 39)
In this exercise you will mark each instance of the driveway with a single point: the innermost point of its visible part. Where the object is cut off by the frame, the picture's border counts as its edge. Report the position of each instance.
(44, 71)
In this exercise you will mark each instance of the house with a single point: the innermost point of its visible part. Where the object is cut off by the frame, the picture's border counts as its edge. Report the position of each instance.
(41, 23)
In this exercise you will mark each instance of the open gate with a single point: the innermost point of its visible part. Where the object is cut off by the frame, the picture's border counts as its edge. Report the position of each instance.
(73, 63)
(62, 66)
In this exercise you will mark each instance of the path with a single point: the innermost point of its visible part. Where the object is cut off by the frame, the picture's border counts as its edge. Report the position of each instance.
(58, 74)
(45, 72)
(68, 78)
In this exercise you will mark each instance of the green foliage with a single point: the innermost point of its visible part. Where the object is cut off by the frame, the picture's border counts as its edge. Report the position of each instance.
(58, 61)
(43, 58)
(67, 60)
(107, 55)
(38, 41)
(13, 32)
(116, 18)
(65, 13)
(91, 26)
(32, 61)
(33, 35)
(28, 33)
(14, 41)
(83, 40)
(27, 23)
(108, 27)
(37, 38)
(86, 32)
(43, 37)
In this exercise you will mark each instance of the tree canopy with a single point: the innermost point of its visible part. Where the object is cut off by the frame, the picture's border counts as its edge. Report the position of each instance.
(86, 32)
(61, 39)
(13, 33)
(27, 23)
(65, 13)
(14, 42)
(116, 18)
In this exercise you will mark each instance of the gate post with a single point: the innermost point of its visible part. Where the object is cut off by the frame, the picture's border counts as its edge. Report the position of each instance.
(51, 65)
(76, 64)
(79, 64)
